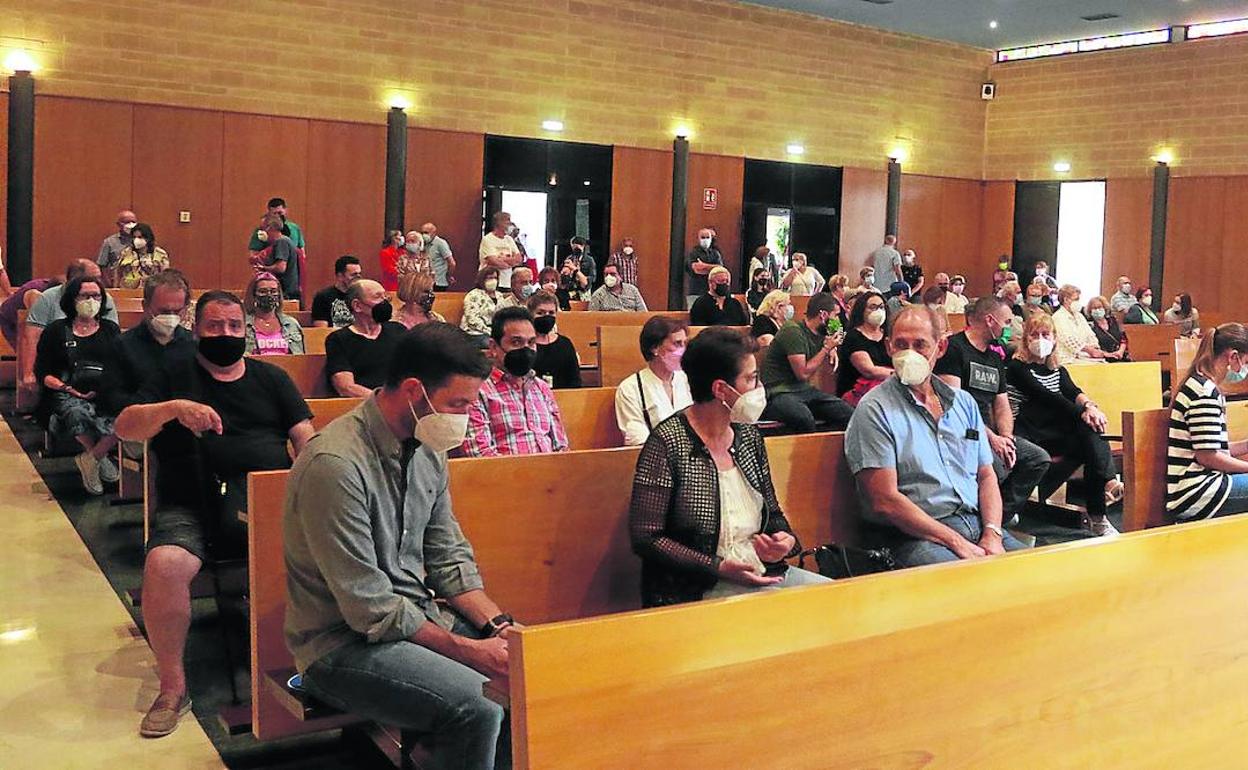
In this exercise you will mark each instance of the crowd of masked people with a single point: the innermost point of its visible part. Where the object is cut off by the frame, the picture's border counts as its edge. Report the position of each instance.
(947, 436)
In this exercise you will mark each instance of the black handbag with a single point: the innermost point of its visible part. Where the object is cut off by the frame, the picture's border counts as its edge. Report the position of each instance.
(84, 374)
(839, 562)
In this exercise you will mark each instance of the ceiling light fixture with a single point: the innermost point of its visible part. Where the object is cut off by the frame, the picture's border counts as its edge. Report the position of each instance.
(993, 24)
(552, 125)
(795, 149)
(1062, 167)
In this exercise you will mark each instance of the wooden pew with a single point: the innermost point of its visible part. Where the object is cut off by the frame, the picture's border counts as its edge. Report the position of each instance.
(547, 555)
(314, 338)
(882, 664)
(449, 303)
(1151, 342)
(582, 327)
(307, 371)
(8, 364)
(957, 322)
(1145, 434)
(1118, 388)
(619, 351)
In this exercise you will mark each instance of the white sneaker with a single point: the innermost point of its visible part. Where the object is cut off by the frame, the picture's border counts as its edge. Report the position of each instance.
(90, 470)
(1102, 528)
(108, 470)
(1114, 489)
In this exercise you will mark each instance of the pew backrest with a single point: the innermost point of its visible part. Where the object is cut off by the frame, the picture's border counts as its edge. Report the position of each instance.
(1120, 387)
(307, 371)
(589, 417)
(314, 338)
(619, 351)
(1185, 349)
(581, 328)
(1151, 342)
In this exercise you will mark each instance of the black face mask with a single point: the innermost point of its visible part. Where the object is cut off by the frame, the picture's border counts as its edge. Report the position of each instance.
(722, 290)
(267, 303)
(519, 362)
(383, 311)
(544, 324)
(426, 302)
(222, 351)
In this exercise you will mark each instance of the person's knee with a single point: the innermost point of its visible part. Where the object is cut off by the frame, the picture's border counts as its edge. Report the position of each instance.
(171, 565)
(477, 715)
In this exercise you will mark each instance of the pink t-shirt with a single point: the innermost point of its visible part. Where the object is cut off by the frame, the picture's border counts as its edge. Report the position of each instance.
(273, 344)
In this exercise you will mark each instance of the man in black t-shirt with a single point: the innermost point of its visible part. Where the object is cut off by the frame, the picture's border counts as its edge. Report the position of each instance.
(357, 357)
(329, 305)
(975, 362)
(211, 420)
(160, 338)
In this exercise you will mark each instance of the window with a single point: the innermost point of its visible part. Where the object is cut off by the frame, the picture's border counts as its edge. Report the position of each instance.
(1104, 43)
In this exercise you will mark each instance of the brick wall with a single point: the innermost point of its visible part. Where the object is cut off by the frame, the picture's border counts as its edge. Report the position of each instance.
(1109, 113)
(748, 80)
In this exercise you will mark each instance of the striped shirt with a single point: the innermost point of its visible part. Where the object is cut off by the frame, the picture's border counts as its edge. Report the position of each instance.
(1197, 421)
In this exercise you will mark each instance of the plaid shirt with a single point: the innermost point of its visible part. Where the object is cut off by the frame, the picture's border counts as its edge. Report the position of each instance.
(514, 416)
(627, 266)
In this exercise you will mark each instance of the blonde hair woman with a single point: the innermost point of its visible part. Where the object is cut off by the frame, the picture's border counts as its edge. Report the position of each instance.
(802, 280)
(774, 311)
(838, 286)
(416, 294)
(1075, 338)
(1053, 412)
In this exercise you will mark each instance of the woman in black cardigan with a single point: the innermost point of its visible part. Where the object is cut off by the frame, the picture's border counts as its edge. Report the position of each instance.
(704, 517)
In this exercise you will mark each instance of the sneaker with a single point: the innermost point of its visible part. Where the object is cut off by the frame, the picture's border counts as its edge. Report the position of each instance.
(162, 718)
(90, 470)
(108, 470)
(1114, 489)
(1102, 528)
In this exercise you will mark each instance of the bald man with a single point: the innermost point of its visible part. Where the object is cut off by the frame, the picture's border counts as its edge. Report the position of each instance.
(441, 260)
(357, 357)
(701, 260)
(48, 309)
(113, 245)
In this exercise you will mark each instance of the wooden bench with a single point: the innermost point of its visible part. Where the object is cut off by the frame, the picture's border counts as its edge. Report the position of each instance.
(560, 551)
(450, 304)
(1145, 435)
(889, 671)
(307, 371)
(1151, 342)
(1118, 388)
(314, 338)
(619, 351)
(581, 328)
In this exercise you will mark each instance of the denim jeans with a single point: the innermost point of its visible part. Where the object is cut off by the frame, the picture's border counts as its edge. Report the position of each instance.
(913, 552)
(412, 687)
(1237, 500)
(800, 410)
(794, 577)
(1030, 464)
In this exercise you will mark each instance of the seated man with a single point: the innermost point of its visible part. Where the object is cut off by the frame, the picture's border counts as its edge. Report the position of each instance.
(329, 305)
(48, 309)
(717, 307)
(792, 360)
(920, 454)
(515, 413)
(161, 337)
(898, 298)
(357, 356)
(522, 287)
(212, 420)
(371, 541)
(975, 362)
(614, 294)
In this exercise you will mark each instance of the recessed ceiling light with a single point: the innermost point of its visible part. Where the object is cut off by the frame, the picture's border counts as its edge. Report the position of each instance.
(552, 125)
(795, 149)
(992, 24)
(587, 183)
(1061, 167)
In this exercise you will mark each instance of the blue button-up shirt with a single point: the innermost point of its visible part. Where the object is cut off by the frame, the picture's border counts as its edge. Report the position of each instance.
(937, 463)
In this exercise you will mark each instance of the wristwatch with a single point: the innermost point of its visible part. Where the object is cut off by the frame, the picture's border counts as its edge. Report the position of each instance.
(495, 625)
(994, 528)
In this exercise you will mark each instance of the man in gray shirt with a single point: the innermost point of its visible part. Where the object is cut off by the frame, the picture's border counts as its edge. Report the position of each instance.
(887, 262)
(614, 294)
(370, 543)
(113, 245)
(441, 260)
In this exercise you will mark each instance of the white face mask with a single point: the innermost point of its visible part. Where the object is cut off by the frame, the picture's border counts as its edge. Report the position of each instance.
(128, 226)
(788, 312)
(440, 432)
(140, 243)
(400, 241)
(87, 308)
(491, 284)
(1040, 347)
(611, 281)
(1126, 289)
(262, 236)
(412, 246)
(705, 242)
(876, 317)
(628, 251)
(550, 287)
(869, 280)
(165, 323)
(912, 369)
(748, 407)
(1041, 273)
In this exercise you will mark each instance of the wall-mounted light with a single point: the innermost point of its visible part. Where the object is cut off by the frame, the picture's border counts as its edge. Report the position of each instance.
(20, 61)
(399, 102)
(1062, 167)
(684, 132)
(552, 125)
(795, 149)
(1164, 157)
(898, 154)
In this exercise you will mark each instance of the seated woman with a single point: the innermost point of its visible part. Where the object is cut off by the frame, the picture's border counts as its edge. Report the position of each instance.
(557, 361)
(659, 390)
(480, 305)
(864, 357)
(1142, 311)
(1075, 339)
(704, 516)
(956, 300)
(548, 281)
(416, 294)
(270, 332)
(1036, 299)
(773, 312)
(1206, 472)
(762, 260)
(718, 307)
(141, 259)
(1053, 412)
(760, 285)
(838, 287)
(802, 280)
(84, 374)
(866, 281)
(1183, 314)
(1109, 335)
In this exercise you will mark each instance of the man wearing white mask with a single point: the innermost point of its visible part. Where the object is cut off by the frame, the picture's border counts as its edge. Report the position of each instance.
(371, 541)
(920, 453)
(1124, 298)
(441, 260)
(113, 245)
(499, 250)
(702, 259)
(161, 338)
(616, 294)
(626, 261)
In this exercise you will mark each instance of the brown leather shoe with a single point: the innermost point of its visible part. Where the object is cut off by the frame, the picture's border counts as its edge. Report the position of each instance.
(162, 718)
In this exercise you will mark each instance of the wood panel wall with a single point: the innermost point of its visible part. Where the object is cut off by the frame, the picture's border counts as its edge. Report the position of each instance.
(996, 235)
(641, 209)
(349, 214)
(1195, 230)
(864, 200)
(444, 174)
(1128, 225)
(727, 176)
(942, 220)
(4, 170)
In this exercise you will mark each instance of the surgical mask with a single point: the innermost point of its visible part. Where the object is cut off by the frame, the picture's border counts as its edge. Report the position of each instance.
(788, 312)
(672, 359)
(721, 290)
(1076, 307)
(704, 243)
(1234, 377)
(1006, 334)
(267, 303)
(383, 311)
(1041, 273)
(798, 265)
(128, 226)
(528, 290)
(519, 362)
(222, 351)
(491, 284)
(1040, 347)
(1034, 300)
(262, 236)
(869, 280)
(87, 308)
(957, 288)
(1147, 300)
(611, 281)
(550, 287)
(912, 369)
(165, 324)
(1098, 314)
(401, 241)
(140, 243)
(544, 324)
(1176, 307)
(1003, 266)
(427, 238)
(748, 407)
(876, 317)
(412, 247)
(628, 251)
(440, 432)
(1126, 289)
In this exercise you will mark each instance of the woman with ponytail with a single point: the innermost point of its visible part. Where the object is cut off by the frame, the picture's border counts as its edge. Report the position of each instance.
(1206, 473)
(1050, 410)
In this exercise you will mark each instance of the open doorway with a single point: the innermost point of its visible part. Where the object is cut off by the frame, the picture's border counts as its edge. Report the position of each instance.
(528, 214)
